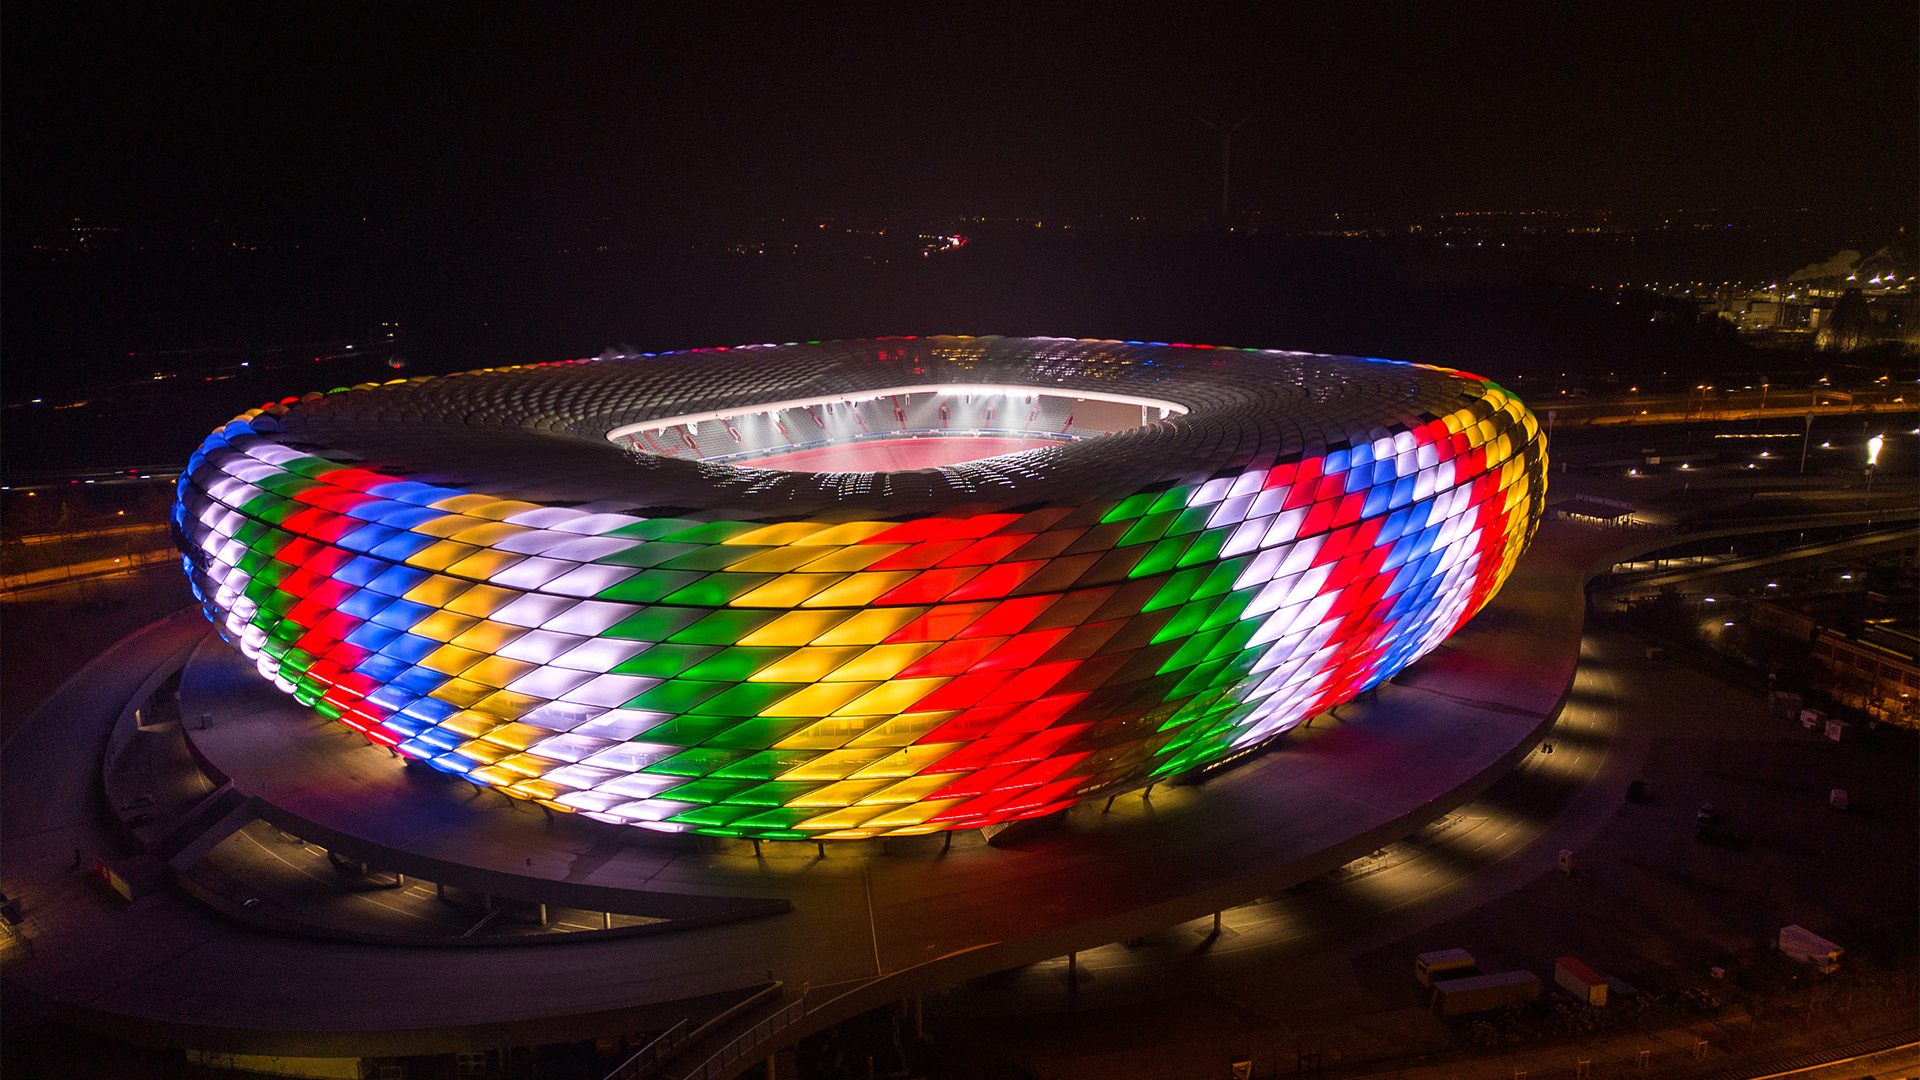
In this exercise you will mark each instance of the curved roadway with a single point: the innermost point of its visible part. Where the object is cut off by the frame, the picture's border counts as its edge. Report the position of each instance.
(868, 927)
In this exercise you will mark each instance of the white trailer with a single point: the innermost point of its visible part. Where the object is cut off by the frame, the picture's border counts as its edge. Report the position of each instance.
(1580, 980)
(1808, 947)
(1429, 966)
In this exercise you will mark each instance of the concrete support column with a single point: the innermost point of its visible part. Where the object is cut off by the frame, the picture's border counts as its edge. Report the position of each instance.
(783, 1065)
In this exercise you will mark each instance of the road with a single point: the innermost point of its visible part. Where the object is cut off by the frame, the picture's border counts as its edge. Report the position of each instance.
(869, 922)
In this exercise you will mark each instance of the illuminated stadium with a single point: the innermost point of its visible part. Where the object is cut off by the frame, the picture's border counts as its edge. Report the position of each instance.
(856, 589)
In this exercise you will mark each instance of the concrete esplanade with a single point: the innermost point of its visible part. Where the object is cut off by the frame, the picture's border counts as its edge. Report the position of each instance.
(1248, 796)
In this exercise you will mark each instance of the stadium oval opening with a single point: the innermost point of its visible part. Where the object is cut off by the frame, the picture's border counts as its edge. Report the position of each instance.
(893, 429)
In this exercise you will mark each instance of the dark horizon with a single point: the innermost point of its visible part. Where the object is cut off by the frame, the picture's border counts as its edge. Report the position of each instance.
(512, 186)
(485, 121)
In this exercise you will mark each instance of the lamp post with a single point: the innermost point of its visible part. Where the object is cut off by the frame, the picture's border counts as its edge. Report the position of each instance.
(1873, 458)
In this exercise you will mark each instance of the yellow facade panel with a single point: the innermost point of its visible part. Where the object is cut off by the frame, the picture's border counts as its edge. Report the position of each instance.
(443, 626)
(451, 659)
(778, 560)
(795, 628)
(488, 637)
(870, 627)
(786, 591)
(808, 665)
(848, 559)
(830, 733)
(910, 790)
(892, 697)
(489, 533)
(905, 729)
(851, 817)
(841, 793)
(777, 535)
(820, 699)
(849, 532)
(882, 662)
(441, 555)
(859, 590)
(484, 563)
(437, 591)
(912, 814)
(909, 760)
(481, 600)
(834, 765)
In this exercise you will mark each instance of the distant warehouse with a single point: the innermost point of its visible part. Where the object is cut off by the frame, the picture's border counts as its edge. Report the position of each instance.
(1867, 640)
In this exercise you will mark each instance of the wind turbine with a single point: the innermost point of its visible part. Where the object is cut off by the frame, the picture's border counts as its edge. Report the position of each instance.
(1226, 159)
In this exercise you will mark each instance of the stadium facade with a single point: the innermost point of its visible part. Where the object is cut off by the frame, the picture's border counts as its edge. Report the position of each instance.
(628, 588)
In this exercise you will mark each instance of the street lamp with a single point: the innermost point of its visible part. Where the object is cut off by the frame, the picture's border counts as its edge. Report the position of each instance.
(1873, 458)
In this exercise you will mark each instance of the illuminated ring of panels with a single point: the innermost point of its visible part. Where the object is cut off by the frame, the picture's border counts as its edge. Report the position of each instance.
(467, 570)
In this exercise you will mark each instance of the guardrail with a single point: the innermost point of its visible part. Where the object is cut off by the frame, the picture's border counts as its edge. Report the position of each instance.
(92, 570)
(647, 1060)
(755, 1041)
(67, 536)
(747, 1042)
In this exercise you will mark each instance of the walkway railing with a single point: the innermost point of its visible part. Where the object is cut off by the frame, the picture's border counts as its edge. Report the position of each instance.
(756, 1041)
(647, 1060)
(751, 1041)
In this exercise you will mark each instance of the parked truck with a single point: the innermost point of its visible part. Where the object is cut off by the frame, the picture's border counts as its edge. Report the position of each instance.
(1808, 947)
(1478, 993)
(1580, 980)
(1431, 967)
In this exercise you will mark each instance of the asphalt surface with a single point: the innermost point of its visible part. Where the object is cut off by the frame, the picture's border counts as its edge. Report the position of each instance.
(878, 924)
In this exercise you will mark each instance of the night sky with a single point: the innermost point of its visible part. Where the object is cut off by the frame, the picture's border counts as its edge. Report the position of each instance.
(282, 122)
